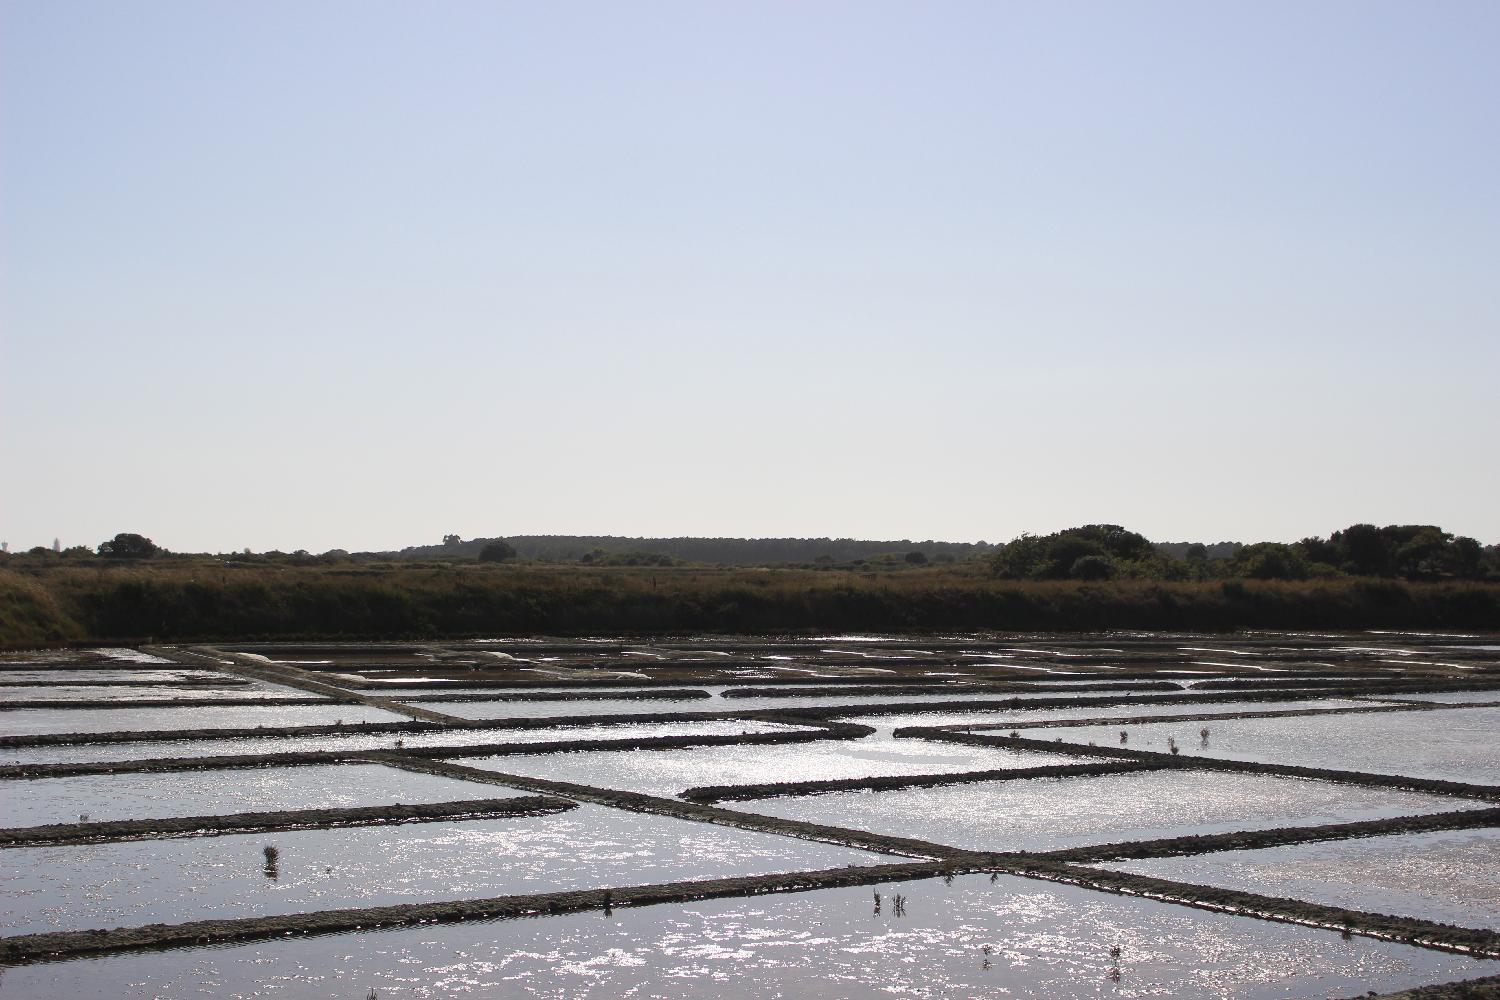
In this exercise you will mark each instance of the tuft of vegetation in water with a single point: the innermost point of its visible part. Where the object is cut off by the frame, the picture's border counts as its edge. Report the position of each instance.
(273, 861)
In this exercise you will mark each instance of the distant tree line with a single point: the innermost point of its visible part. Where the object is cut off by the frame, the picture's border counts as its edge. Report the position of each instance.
(613, 550)
(1109, 551)
(1090, 552)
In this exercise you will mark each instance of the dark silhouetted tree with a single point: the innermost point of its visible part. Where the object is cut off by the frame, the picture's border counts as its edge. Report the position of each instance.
(497, 551)
(128, 546)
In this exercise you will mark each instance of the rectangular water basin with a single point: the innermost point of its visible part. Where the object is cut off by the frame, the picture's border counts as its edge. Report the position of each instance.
(973, 938)
(89, 753)
(38, 721)
(1452, 876)
(140, 882)
(106, 797)
(1043, 814)
(1457, 744)
(1135, 710)
(669, 772)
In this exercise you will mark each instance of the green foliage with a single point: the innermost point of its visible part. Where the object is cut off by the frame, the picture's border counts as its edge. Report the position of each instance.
(1092, 568)
(1100, 550)
(1107, 551)
(128, 546)
(497, 551)
(1269, 561)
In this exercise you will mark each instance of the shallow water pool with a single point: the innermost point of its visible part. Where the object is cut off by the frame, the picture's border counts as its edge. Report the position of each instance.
(140, 882)
(1452, 876)
(973, 938)
(669, 772)
(32, 722)
(85, 753)
(106, 797)
(1043, 814)
(1459, 744)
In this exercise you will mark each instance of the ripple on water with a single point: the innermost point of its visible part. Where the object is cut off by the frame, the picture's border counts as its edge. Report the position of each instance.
(83, 753)
(1457, 744)
(106, 797)
(675, 771)
(972, 938)
(1451, 877)
(1042, 814)
(141, 882)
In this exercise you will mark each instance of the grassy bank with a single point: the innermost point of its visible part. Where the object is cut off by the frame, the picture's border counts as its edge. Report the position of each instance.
(207, 600)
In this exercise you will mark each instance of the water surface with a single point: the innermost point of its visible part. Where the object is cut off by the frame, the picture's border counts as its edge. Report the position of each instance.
(973, 938)
(106, 797)
(181, 879)
(1042, 814)
(1452, 877)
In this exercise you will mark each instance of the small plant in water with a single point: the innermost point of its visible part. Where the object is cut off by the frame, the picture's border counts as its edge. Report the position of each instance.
(1015, 734)
(947, 878)
(83, 817)
(1171, 744)
(1124, 736)
(899, 905)
(1203, 735)
(877, 902)
(273, 861)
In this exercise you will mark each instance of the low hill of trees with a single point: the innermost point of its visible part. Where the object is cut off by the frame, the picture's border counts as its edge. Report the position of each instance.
(1109, 551)
(619, 550)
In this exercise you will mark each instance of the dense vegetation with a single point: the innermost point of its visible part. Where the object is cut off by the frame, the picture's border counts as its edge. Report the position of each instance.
(206, 599)
(1108, 551)
(616, 550)
(1094, 576)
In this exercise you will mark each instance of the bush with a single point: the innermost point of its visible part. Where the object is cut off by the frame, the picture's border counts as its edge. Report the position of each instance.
(497, 551)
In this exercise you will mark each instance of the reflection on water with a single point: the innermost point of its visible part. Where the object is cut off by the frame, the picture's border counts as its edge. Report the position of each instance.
(91, 753)
(671, 772)
(140, 882)
(1041, 814)
(163, 693)
(1137, 709)
(973, 938)
(859, 699)
(1460, 744)
(106, 797)
(1452, 877)
(24, 722)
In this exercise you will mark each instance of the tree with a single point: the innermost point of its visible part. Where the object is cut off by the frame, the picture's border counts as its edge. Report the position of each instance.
(497, 551)
(1270, 561)
(1092, 568)
(128, 546)
(451, 541)
(917, 558)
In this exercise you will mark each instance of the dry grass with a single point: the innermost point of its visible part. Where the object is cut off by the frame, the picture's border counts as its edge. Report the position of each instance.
(209, 600)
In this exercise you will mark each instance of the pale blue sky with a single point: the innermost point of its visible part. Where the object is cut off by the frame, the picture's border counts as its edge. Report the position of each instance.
(317, 274)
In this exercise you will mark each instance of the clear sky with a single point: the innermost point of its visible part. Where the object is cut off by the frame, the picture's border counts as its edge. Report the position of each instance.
(299, 274)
